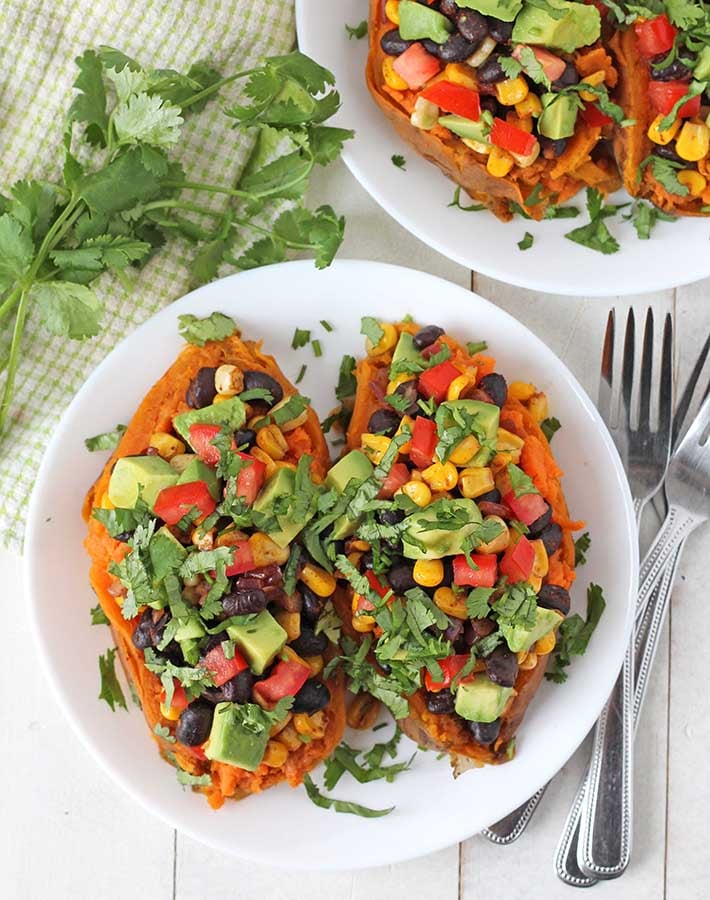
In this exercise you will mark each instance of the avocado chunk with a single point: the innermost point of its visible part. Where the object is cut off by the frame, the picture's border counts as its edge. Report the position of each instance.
(466, 128)
(487, 417)
(579, 26)
(166, 553)
(559, 115)
(189, 635)
(519, 638)
(230, 413)
(421, 540)
(260, 639)
(281, 485)
(196, 470)
(505, 10)
(230, 742)
(701, 72)
(354, 466)
(405, 350)
(149, 473)
(480, 700)
(417, 21)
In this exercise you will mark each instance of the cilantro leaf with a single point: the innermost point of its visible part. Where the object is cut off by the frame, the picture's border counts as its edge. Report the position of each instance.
(67, 309)
(89, 105)
(533, 69)
(357, 31)
(372, 330)
(477, 604)
(520, 482)
(472, 207)
(399, 161)
(148, 119)
(695, 89)
(550, 426)
(644, 218)
(341, 806)
(215, 327)
(474, 347)
(188, 779)
(665, 172)
(163, 732)
(574, 634)
(301, 337)
(581, 546)
(109, 440)
(526, 242)
(98, 616)
(111, 690)
(16, 248)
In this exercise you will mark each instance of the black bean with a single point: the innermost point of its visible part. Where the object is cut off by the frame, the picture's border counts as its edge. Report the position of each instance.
(569, 77)
(242, 603)
(245, 438)
(123, 537)
(393, 44)
(390, 516)
(676, 71)
(426, 336)
(202, 390)
(259, 579)
(430, 46)
(238, 689)
(491, 71)
(313, 605)
(484, 732)
(490, 497)
(309, 643)
(384, 421)
(456, 49)
(149, 631)
(401, 578)
(667, 151)
(449, 9)
(314, 695)
(552, 596)
(454, 631)
(500, 31)
(552, 148)
(541, 523)
(254, 379)
(502, 666)
(448, 577)
(472, 25)
(551, 537)
(439, 702)
(496, 387)
(194, 725)
(408, 390)
(367, 560)
(489, 104)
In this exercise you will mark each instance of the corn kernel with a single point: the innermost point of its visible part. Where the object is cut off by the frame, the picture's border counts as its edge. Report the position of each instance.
(538, 407)
(524, 124)
(546, 644)
(506, 440)
(166, 444)
(594, 79)
(477, 146)
(464, 451)
(528, 159)
(694, 181)
(259, 454)
(300, 419)
(500, 542)
(499, 162)
(459, 73)
(363, 624)
(374, 446)
(289, 737)
(459, 385)
(278, 727)
(693, 142)
(391, 78)
(475, 481)
(312, 725)
(535, 582)
(662, 137)
(272, 441)
(428, 572)
(315, 664)
(169, 713)
(363, 712)
(418, 492)
(425, 114)
(529, 662)
(485, 48)
(450, 603)
(229, 381)
(402, 378)
(441, 476)
(541, 565)
(318, 580)
(512, 90)
(530, 106)
(521, 390)
(203, 540)
(385, 343)
(290, 622)
(275, 755)
(501, 460)
(360, 545)
(392, 11)
(220, 398)
(354, 558)
(181, 461)
(406, 422)
(264, 551)
(106, 502)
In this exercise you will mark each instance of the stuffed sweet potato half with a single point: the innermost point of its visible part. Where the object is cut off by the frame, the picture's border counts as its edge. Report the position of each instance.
(453, 548)
(502, 95)
(215, 607)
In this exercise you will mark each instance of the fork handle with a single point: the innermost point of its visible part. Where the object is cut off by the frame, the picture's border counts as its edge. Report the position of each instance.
(509, 828)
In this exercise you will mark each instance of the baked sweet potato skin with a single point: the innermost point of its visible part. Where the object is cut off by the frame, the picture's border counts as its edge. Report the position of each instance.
(448, 732)
(155, 413)
(632, 145)
(578, 167)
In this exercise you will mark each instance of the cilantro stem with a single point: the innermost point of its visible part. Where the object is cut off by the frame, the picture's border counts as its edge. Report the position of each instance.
(210, 188)
(14, 358)
(182, 204)
(294, 245)
(9, 302)
(218, 85)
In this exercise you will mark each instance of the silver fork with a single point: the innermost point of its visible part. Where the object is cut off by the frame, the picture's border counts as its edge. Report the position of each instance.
(645, 458)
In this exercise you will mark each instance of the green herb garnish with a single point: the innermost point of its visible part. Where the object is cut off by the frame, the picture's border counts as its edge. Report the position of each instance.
(574, 634)
(581, 546)
(550, 427)
(356, 31)
(526, 242)
(110, 688)
(109, 440)
(399, 161)
(341, 806)
(215, 327)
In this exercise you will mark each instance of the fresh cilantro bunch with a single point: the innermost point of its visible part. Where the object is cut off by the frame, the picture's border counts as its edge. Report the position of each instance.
(121, 195)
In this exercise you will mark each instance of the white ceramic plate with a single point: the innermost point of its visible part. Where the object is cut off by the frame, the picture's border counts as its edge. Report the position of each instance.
(282, 827)
(417, 199)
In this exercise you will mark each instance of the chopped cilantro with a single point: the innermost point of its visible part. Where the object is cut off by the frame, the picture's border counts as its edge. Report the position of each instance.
(581, 546)
(341, 806)
(98, 616)
(187, 779)
(317, 349)
(110, 688)
(301, 373)
(477, 602)
(472, 207)
(574, 634)
(520, 482)
(215, 327)
(550, 427)
(372, 330)
(109, 440)
(526, 242)
(301, 336)
(326, 325)
(163, 732)
(356, 31)
(474, 347)
(399, 161)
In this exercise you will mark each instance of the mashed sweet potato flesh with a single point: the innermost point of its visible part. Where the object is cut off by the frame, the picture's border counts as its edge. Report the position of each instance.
(165, 400)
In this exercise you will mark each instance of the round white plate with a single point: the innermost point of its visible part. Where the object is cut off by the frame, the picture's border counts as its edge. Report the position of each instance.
(417, 198)
(282, 827)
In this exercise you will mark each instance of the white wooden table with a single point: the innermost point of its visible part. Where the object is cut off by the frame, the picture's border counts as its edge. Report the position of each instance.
(66, 831)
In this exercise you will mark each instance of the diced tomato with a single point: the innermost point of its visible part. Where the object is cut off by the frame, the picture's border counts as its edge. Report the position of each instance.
(416, 66)
(363, 604)
(223, 669)
(397, 476)
(517, 562)
(655, 36)
(179, 696)
(454, 98)
(435, 382)
(197, 752)
(431, 350)
(451, 666)
(201, 437)
(484, 576)
(509, 137)
(526, 508)
(375, 583)
(424, 440)
(594, 117)
(553, 66)
(602, 7)
(665, 94)
(243, 560)
(250, 478)
(172, 503)
(286, 679)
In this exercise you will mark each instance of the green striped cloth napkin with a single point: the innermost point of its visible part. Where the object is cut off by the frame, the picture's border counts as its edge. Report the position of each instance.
(40, 41)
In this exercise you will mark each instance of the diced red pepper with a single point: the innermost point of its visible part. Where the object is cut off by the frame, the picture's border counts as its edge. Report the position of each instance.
(363, 604)
(396, 477)
(665, 94)
(223, 669)
(197, 752)
(511, 138)
(594, 117)
(243, 560)
(286, 679)
(435, 382)
(172, 503)
(485, 575)
(201, 437)
(454, 98)
(375, 583)
(526, 508)
(553, 66)
(517, 563)
(423, 444)
(250, 478)
(451, 666)
(416, 66)
(655, 36)
(179, 696)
